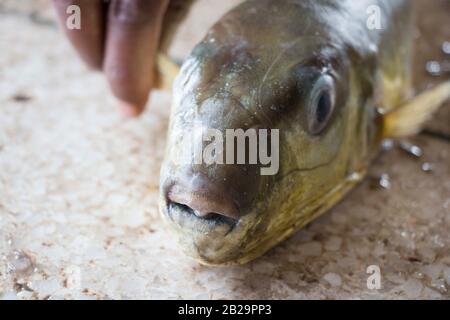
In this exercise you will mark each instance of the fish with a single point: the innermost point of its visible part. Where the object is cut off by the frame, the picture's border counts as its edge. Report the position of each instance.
(321, 82)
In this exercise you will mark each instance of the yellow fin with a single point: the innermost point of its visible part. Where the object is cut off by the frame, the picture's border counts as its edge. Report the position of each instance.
(166, 71)
(409, 118)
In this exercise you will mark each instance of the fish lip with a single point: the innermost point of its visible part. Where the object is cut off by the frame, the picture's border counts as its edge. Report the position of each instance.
(175, 213)
(209, 244)
(211, 223)
(172, 211)
(185, 199)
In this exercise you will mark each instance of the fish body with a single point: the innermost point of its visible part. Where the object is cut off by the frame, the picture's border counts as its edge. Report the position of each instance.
(325, 76)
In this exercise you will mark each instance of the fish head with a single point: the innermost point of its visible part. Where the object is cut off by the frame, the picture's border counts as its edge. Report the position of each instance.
(288, 95)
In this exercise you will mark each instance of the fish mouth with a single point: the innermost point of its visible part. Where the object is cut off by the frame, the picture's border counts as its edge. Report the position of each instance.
(187, 218)
(213, 241)
(196, 204)
(211, 238)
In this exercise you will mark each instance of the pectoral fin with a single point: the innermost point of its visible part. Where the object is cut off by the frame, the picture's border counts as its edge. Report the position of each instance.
(409, 118)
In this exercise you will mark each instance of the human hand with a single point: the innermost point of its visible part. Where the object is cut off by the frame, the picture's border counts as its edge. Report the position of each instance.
(119, 37)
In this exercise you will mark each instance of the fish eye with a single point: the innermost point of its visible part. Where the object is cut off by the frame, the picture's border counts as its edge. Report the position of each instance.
(321, 105)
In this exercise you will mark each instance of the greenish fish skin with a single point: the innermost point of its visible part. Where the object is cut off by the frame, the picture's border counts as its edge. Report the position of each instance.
(257, 67)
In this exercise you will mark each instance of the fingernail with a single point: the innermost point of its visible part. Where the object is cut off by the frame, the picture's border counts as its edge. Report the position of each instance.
(129, 109)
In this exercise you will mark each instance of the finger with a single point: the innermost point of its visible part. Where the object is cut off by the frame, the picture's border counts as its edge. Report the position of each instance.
(134, 28)
(88, 36)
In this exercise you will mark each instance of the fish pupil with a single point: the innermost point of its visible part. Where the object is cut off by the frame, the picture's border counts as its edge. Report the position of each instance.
(323, 107)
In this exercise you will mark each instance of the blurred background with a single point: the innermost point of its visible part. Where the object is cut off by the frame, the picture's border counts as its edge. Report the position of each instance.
(79, 187)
